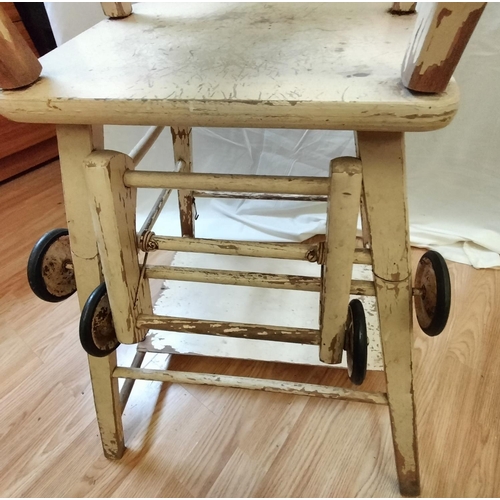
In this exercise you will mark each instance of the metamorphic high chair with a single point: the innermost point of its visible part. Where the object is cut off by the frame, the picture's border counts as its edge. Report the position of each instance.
(376, 69)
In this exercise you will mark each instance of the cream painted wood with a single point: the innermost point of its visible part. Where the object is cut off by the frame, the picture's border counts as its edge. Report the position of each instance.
(297, 251)
(114, 224)
(365, 225)
(440, 36)
(183, 438)
(75, 144)
(262, 280)
(286, 65)
(116, 9)
(383, 159)
(300, 389)
(18, 64)
(144, 145)
(342, 217)
(229, 329)
(183, 151)
(256, 196)
(294, 251)
(244, 183)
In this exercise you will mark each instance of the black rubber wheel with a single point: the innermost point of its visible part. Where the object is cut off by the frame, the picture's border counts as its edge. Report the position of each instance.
(433, 298)
(50, 273)
(97, 332)
(356, 343)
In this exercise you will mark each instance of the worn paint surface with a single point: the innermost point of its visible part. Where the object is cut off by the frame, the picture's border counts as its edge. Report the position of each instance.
(296, 388)
(75, 144)
(183, 152)
(441, 34)
(113, 209)
(342, 216)
(384, 180)
(319, 65)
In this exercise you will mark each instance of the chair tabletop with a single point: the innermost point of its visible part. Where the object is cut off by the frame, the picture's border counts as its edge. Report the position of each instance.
(287, 65)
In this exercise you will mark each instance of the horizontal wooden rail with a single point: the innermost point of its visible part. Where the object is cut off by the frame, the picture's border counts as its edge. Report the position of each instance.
(292, 251)
(144, 145)
(243, 278)
(229, 329)
(228, 182)
(258, 196)
(297, 388)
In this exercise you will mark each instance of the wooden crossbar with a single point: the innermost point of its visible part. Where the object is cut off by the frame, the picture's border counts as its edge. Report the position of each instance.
(228, 329)
(228, 182)
(297, 388)
(243, 278)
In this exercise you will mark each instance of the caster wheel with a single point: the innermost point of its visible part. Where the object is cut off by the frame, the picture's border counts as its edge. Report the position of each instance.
(356, 343)
(97, 332)
(432, 293)
(50, 269)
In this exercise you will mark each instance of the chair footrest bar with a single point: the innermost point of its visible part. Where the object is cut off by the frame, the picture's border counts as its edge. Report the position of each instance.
(228, 182)
(296, 388)
(272, 250)
(227, 329)
(241, 278)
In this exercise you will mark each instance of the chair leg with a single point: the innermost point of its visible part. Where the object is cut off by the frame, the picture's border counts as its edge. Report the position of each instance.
(75, 143)
(382, 156)
(183, 150)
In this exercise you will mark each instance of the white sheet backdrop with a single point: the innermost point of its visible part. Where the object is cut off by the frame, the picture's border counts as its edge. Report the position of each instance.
(453, 174)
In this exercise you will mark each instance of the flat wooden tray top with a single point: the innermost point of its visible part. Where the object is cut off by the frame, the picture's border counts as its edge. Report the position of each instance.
(323, 66)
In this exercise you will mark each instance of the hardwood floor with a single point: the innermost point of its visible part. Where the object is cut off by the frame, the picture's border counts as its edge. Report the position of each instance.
(201, 441)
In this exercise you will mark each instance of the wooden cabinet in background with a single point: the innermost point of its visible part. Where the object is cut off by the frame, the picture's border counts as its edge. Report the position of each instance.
(23, 145)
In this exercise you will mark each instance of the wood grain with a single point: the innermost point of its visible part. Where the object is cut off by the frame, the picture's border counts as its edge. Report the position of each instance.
(208, 441)
(440, 37)
(18, 64)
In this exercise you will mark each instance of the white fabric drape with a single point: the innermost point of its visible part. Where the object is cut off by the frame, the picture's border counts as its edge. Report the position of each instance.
(453, 174)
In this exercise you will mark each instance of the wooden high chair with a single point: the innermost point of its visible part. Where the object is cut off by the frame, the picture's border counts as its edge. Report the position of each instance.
(308, 66)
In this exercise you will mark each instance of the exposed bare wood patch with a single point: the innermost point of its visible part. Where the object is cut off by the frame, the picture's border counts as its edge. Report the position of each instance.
(18, 64)
(229, 329)
(116, 9)
(403, 8)
(440, 36)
